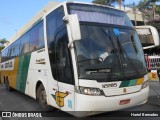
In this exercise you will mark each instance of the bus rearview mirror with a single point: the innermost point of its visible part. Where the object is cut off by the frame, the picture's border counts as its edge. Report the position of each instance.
(72, 21)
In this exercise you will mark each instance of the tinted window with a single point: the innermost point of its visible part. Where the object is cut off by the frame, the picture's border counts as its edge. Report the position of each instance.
(54, 21)
(24, 47)
(8, 52)
(37, 37)
(30, 41)
(63, 59)
(3, 55)
(17, 48)
(99, 14)
(13, 49)
(41, 36)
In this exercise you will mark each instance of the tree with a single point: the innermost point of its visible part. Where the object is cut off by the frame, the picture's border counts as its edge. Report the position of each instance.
(158, 9)
(3, 41)
(149, 8)
(103, 2)
(107, 2)
(141, 4)
(144, 4)
(1, 48)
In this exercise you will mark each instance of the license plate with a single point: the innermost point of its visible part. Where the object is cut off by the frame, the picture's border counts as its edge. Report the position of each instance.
(122, 102)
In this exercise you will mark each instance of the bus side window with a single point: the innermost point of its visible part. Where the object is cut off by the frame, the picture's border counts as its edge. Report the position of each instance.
(9, 52)
(54, 21)
(25, 44)
(37, 37)
(6, 57)
(41, 37)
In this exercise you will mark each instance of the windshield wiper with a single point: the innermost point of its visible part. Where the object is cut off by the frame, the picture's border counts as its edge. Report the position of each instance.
(112, 65)
(123, 51)
(96, 59)
(133, 43)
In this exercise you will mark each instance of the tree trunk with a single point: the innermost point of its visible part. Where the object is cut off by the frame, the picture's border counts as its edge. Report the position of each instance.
(120, 4)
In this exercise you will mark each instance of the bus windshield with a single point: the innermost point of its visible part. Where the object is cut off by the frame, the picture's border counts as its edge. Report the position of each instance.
(110, 48)
(103, 55)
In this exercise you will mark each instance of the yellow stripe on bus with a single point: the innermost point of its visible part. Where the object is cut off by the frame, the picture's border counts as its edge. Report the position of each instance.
(139, 81)
(13, 74)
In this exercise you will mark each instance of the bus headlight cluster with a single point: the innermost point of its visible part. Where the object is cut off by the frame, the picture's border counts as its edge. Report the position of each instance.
(89, 91)
(145, 84)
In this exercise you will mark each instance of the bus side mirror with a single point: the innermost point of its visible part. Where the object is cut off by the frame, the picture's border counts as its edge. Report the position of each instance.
(72, 21)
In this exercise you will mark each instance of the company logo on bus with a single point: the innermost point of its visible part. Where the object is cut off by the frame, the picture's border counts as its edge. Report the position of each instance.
(124, 90)
(109, 85)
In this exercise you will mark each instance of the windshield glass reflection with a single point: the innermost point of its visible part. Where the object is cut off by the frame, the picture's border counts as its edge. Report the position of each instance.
(105, 55)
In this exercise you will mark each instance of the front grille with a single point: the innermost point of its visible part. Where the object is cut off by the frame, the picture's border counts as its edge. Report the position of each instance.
(120, 91)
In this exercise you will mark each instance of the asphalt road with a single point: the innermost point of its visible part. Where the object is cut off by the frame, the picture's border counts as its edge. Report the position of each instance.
(16, 101)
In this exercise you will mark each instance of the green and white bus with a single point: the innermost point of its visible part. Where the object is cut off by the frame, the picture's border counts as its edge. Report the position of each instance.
(57, 60)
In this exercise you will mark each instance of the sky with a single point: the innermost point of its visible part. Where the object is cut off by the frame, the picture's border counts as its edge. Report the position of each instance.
(14, 14)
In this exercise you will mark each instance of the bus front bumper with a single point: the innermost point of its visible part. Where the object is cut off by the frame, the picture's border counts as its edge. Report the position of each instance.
(89, 105)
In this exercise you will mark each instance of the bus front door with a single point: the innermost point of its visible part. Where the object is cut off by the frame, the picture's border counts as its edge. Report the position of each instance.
(64, 73)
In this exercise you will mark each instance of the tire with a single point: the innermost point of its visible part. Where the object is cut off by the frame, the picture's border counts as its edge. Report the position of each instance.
(0, 82)
(42, 98)
(7, 85)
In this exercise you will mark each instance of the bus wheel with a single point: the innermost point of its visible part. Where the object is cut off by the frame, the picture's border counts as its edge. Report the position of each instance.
(7, 85)
(41, 93)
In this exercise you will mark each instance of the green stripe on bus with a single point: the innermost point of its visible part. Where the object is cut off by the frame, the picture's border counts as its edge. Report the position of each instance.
(22, 73)
(132, 82)
(125, 83)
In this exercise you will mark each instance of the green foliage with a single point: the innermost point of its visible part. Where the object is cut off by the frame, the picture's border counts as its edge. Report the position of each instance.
(2, 43)
(141, 3)
(147, 3)
(149, 8)
(1, 48)
(103, 2)
(106, 2)
(158, 9)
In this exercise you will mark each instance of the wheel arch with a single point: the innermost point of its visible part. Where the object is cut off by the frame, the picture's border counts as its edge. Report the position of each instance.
(39, 82)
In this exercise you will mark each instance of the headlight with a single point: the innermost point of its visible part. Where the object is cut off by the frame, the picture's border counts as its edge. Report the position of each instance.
(145, 84)
(89, 91)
